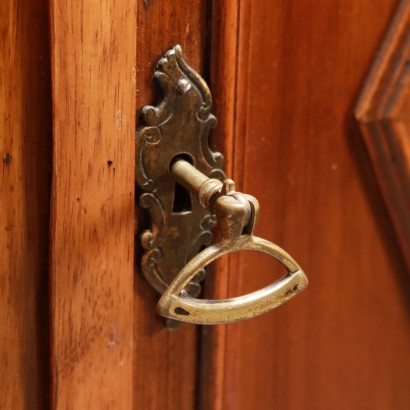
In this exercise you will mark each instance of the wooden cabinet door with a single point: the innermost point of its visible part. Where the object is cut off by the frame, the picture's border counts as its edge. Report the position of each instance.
(78, 324)
(286, 88)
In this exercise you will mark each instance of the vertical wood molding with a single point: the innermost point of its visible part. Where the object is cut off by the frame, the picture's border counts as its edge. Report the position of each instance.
(25, 153)
(383, 113)
(92, 249)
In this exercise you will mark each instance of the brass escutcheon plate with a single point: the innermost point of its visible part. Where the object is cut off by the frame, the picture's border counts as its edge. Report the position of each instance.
(178, 126)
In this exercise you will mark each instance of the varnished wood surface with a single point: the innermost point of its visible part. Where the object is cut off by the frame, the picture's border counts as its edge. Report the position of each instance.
(344, 342)
(25, 143)
(285, 77)
(383, 114)
(165, 361)
(92, 242)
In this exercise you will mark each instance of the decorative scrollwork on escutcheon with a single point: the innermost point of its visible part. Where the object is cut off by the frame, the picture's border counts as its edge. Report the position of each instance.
(179, 124)
(151, 239)
(147, 135)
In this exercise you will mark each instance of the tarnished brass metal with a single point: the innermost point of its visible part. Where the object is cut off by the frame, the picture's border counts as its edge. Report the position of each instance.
(178, 125)
(236, 214)
(173, 156)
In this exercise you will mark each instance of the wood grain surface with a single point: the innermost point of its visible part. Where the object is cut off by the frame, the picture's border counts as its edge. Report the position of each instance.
(25, 152)
(285, 76)
(92, 248)
(344, 342)
(165, 361)
(383, 115)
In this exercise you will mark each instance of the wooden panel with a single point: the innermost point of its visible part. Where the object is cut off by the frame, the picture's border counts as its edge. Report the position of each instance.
(344, 342)
(93, 50)
(165, 361)
(383, 115)
(25, 151)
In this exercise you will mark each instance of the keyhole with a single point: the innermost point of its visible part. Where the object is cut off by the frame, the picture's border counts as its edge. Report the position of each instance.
(182, 197)
(182, 200)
